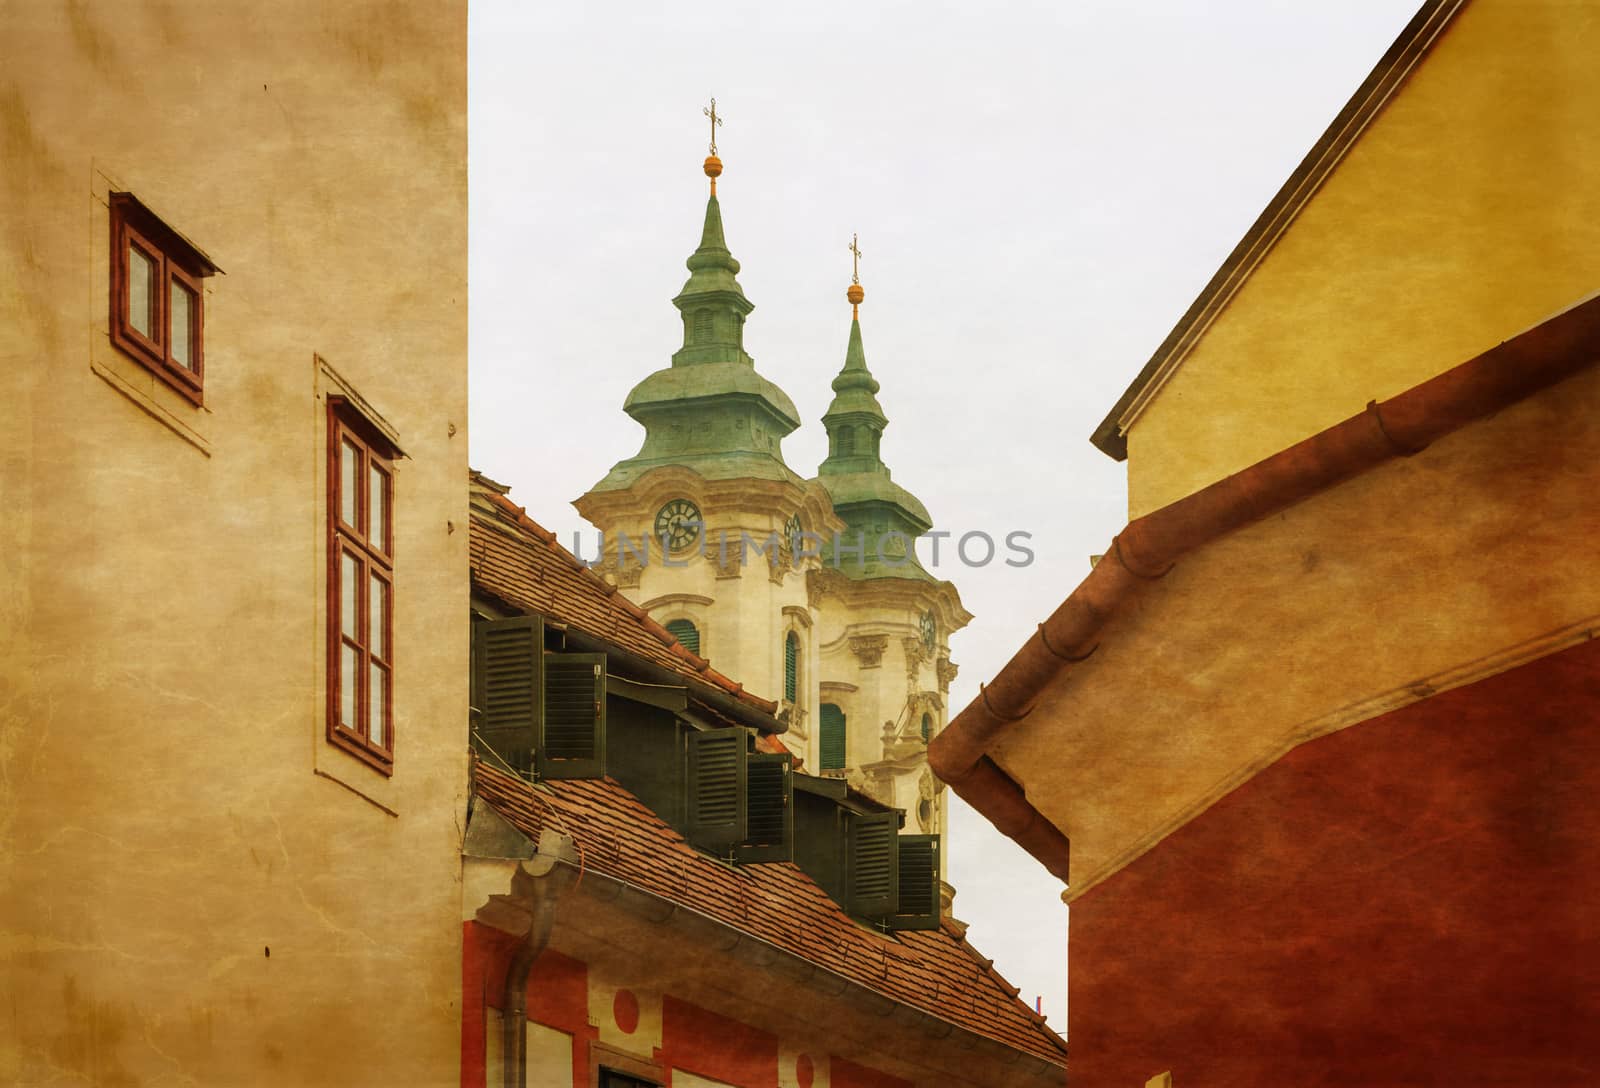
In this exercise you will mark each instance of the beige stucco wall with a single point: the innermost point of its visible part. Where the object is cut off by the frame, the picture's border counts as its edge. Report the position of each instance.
(1468, 211)
(169, 808)
(1425, 573)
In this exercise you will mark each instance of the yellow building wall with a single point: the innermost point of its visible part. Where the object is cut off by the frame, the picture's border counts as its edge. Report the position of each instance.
(1468, 211)
(194, 887)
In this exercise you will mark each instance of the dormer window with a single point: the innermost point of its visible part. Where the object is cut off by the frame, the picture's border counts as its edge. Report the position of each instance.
(157, 301)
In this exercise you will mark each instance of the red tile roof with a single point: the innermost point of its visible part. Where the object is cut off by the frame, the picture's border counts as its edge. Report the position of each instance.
(935, 971)
(519, 561)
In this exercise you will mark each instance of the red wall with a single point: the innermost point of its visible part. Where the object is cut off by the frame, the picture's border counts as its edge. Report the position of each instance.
(1412, 900)
(693, 1038)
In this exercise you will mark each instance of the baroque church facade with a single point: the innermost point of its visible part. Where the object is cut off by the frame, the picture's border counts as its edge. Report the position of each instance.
(809, 589)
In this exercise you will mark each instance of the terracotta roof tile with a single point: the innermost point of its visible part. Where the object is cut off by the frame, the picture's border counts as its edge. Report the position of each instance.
(518, 560)
(935, 971)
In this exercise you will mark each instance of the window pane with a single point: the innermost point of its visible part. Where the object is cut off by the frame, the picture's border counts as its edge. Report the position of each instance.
(378, 705)
(141, 291)
(378, 617)
(182, 318)
(378, 496)
(349, 482)
(349, 582)
(349, 664)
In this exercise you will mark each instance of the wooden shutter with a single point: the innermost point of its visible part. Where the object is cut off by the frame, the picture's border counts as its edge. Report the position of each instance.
(507, 667)
(917, 898)
(573, 741)
(874, 863)
(832, 739)
(685, 632)
(769, 808)
(717, 770)
(791, 665)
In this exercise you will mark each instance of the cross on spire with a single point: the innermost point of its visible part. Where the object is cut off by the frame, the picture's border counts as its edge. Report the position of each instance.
(855, 260)
(716, 123)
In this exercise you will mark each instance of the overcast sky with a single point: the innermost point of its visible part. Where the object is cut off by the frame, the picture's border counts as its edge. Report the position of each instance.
(1041, 189)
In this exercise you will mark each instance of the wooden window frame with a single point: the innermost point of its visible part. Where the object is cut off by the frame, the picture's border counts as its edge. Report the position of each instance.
(374, 556)
(176, 261)
(620, 1061)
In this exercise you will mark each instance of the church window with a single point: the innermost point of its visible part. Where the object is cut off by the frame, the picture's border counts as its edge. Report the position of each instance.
(685, 632)
(927, 727)
(791, 666)
(360, 588)
(702, 326)
(157, 302)
(847, 441)
(832, 738)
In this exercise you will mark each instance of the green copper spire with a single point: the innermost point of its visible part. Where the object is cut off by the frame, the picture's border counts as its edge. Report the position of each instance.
(874, 507)
(710, 410)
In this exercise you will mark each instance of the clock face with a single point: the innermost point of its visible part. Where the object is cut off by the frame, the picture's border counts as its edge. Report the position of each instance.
(930, 630)
(678, 524)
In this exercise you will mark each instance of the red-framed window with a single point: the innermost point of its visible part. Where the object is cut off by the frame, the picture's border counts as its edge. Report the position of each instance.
(157, 299)
(361, 593)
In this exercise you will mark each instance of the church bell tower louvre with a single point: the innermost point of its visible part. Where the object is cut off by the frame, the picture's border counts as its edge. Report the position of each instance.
(716, 537)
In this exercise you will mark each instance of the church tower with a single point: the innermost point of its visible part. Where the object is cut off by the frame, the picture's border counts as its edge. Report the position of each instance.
(884, 621)
(698, 525)
(809, 592)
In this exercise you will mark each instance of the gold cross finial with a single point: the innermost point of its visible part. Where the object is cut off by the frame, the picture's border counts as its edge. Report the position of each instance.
(716, 123)
(855, 294)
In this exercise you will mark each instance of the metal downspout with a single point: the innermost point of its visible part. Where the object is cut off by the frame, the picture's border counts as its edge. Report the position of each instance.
(541, 879)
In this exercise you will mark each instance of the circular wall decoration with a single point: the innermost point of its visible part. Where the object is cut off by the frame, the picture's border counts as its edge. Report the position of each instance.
(625, 1011)
(678, 524)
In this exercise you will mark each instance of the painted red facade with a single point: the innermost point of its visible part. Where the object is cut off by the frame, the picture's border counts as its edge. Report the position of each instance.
(692, 1038)
(1411, 900)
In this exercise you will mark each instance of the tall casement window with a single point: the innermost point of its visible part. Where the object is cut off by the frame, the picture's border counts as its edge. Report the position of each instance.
(360, 588)
(685, 632)
(927, 727)
(791, 666)
(157, 304)
(831, 738)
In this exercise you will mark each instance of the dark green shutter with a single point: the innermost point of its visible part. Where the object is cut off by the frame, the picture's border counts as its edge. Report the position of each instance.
(791, 665)
(917, 905)
(832, 739)
(573, 744)
(685, 632)
(507, 660)
(769, 808)
(874, 863)
(717, 787)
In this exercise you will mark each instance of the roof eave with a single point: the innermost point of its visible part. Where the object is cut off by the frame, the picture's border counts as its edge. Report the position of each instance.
(1148, 547)
(1325, 155)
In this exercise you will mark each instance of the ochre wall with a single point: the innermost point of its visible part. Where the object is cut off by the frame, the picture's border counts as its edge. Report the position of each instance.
(1408, 901)
(1468, 211)
(171, 809)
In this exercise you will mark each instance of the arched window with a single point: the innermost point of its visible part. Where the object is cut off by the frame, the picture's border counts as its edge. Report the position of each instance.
(791, 666)
(832, 738)
(685, 632)
(927, 727)
(702, 326)
(847, 441)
